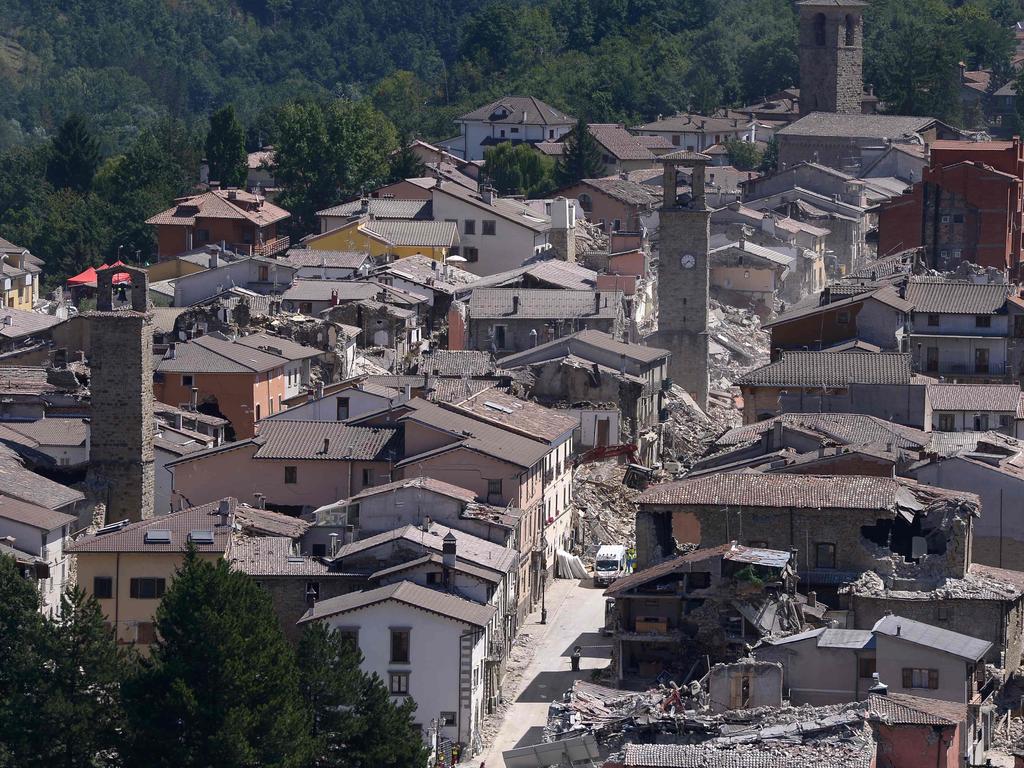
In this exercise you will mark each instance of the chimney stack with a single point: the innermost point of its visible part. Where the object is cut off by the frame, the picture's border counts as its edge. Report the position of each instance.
(223, 511)
(327, 445)
(449, 549)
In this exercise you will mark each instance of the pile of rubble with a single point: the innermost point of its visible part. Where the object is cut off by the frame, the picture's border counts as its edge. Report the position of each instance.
(680, 716)
(605, 506)
(690, 431)
(736, 343)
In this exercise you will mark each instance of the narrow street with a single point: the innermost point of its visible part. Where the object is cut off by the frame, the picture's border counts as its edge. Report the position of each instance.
(575, 617)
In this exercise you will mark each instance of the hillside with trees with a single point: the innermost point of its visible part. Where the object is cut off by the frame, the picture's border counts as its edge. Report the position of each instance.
(106, 107)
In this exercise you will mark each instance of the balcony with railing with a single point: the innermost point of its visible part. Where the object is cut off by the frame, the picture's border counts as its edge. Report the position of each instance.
(268, 248)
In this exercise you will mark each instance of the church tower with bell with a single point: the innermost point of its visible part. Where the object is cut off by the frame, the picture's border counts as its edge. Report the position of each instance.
(683, 274)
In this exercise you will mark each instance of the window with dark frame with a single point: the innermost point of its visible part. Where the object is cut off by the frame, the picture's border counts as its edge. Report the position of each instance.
(469, 227)
(824, 555)
(447, 719)
(147, 588)
(291, 475)
(983, 321)
(866, 667)
(471, 254)
(489, 226)
(494, 487)
(102, 587)
(187, 380)
(400, 646)
(914, 677)
(398, 683)
(368, 479)
(933, 321)
(343, 408)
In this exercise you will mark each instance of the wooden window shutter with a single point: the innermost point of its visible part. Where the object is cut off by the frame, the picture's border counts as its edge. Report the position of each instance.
(933, 678)
(908, 678)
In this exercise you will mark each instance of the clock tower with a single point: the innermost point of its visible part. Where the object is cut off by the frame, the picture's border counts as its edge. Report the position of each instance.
(683, 274)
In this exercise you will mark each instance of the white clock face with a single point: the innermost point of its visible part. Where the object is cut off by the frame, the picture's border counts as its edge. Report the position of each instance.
(687, 261)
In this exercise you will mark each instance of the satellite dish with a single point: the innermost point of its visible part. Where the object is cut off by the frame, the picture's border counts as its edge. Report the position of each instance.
(456, 259)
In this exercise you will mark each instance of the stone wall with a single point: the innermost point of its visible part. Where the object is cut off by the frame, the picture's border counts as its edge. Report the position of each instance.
(121, 433)
(831, 59)
(288, 596)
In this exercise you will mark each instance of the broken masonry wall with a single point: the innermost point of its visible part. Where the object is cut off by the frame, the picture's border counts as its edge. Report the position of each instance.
(745, 685)
(997, 621)
(654, 539)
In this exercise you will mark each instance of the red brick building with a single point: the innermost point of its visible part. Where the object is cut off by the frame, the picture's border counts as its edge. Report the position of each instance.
(968, 207)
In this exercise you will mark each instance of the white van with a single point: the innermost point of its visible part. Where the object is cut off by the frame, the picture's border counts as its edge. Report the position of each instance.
(609, 564)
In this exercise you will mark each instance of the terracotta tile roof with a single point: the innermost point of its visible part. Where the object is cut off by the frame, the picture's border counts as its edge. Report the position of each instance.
(267, 556)
(309, 257)
(462, 362)
(31, 514)
(505, 207)
(782, 490)
(25, 380)
(975, 397)
(426, 483)
(54, 431)
(15, 323)
(619, 142)
(831, 369)
(627, 191)
(267, 523)
(484, 574)
(903, 709)
(521, 416)
(413, 595)
(577, 344)
(885, 295)
(470, 548)
(511, 109)
(321, 440)
(219, 204)
(322, 290)
(935, 295)
(133, 538)
(382, 208)
(694, 123)
(428, 234)
(542, 303)
(452, 390)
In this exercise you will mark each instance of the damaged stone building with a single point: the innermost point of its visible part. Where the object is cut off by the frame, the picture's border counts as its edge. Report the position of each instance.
(837, 527)
(707, 603)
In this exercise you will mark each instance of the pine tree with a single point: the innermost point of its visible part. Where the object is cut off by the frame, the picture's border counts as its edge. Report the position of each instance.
(581, 158)
(74, 156)
(355, 723)
(221, 684)
(22, 638)
(80, 706)
(225, 148)
(404, 163)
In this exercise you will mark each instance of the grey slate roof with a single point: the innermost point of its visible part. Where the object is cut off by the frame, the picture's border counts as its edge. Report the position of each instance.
(24, 323)
(276, 345)
(305, 440)
(845, 428)
(462, 362)
(831, 369)
(19, 482)
(938, 296)
(504, 207)
(782, 490)
(885, 295)
(626, 191)
(580, 341)
(620, 142)
(53, 431)
(426, 483)
(30, 514)
(321, 290)
(505, 410)
(542, 303)
(537, 112)
(955, 643)
(412, 595)
(382, 208)
(974, 397)
(309, 257)
(210, 354)
(857, 126)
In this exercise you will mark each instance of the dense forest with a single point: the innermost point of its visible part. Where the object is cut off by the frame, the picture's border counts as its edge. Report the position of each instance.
(145, 76)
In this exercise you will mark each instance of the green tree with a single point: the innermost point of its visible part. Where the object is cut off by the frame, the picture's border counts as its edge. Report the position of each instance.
(518, 170)
(80, 702)
(221, 685)
(74, 156)
(404, 163)
(354, 721)
(22, 640)
(744, 155)
(581, 158)
(770, 157)
(225, 148)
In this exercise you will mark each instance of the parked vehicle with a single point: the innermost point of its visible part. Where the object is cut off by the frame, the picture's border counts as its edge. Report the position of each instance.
(610, 564)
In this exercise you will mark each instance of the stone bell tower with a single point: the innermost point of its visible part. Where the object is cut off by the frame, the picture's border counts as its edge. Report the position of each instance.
(121, 386)
(831, 56)
(683, 274)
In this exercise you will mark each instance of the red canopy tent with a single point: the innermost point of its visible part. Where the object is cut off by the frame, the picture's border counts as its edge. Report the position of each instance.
(89, 276)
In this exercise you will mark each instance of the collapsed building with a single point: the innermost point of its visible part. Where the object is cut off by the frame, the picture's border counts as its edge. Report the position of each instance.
(836, 527)
(710, 603)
